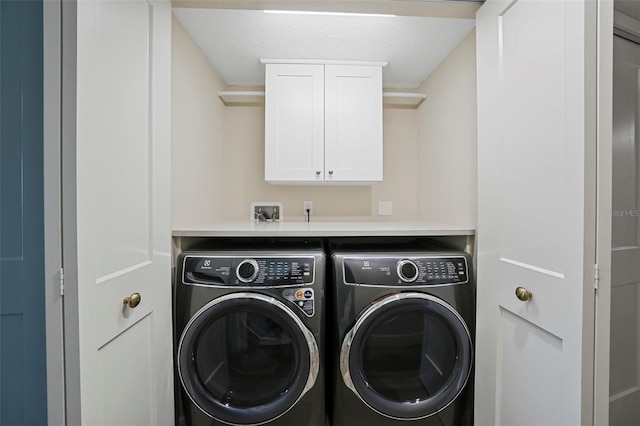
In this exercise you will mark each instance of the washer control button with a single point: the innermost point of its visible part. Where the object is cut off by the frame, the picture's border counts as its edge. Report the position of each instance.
(247, 270)
(407, 271)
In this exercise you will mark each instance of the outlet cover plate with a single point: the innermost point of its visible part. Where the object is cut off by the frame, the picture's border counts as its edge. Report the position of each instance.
(385, 208)
(307, 205)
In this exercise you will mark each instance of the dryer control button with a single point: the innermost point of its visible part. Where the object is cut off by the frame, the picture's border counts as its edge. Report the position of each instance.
(247, 270)
(407, 271)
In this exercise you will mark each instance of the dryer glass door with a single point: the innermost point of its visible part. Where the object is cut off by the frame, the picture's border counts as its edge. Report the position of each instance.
(408, 356)
(246, 359)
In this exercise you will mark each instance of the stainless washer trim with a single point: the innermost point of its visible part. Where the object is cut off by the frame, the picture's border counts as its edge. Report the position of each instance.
(314, 354)
(345, 351)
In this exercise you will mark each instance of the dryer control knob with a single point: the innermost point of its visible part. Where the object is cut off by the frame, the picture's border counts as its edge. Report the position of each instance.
(407, 271)
(247, 270)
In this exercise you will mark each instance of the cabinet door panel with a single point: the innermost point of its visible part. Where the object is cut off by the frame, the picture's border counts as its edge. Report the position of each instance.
(294, 123)
(353, 123)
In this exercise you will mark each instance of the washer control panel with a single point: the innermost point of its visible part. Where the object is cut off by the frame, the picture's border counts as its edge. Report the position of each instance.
(248, 271)
(405, 271)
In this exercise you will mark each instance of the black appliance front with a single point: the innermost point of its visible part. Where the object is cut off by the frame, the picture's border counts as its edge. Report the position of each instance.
(246, 359)
(405, 348)
(408, 356)
(248, 343)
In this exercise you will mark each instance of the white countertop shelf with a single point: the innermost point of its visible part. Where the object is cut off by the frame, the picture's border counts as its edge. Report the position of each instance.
(323, 229)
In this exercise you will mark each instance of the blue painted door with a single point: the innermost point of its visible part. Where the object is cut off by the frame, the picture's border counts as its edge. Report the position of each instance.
(23, 391)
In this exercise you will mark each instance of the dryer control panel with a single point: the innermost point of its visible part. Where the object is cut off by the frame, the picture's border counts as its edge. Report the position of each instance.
(405, 271)
(248, 271)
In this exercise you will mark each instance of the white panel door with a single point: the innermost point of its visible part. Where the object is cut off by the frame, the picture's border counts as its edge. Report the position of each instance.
(294, 123)
(122, 210)
(353, 123)
(624, 374)
(536, 171)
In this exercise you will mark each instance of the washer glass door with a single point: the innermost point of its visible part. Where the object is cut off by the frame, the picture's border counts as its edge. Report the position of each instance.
(246, 358)
(408, 356)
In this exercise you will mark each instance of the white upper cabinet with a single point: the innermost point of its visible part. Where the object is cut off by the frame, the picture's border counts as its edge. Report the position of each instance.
(353, 123)
(323, 124)
(294, 123)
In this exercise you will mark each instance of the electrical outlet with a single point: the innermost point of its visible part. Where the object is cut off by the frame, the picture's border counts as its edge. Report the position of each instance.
(308, 205)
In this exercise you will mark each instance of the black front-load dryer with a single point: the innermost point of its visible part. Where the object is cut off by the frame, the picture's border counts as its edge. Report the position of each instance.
(249, 337)
(404, 330)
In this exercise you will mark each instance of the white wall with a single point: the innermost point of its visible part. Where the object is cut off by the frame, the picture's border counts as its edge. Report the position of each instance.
(400, 174)
(197, 164)
(244, 173)
(218, 152)
(447, 140)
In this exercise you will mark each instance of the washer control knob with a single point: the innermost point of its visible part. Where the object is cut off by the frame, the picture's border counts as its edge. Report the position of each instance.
(247, 270)
(407, 271)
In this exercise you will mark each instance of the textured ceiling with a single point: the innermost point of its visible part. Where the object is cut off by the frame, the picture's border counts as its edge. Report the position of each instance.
(234, 41)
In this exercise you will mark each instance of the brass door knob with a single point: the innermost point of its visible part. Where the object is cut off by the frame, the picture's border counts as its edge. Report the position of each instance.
(523, 294)
(133, 300)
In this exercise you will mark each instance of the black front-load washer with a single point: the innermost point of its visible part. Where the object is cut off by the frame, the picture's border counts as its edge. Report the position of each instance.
(248, 338)
(404, 336)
